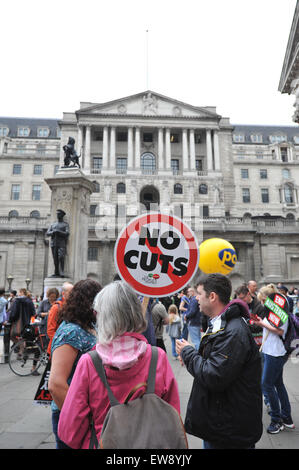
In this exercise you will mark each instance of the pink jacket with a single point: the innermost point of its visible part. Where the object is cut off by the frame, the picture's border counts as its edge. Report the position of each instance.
(88, 394)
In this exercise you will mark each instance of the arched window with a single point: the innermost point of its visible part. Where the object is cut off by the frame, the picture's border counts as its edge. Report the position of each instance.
(203, 189)
(13, 214)
(148, 163)
(288, 194)
(290, 216)
(121, 188)
(177, 189)
(35, 214)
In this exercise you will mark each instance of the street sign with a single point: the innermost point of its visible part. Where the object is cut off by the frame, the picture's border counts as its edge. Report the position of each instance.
(156, 254)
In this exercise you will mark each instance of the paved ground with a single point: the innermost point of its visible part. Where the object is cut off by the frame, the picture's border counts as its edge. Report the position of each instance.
(24, 425)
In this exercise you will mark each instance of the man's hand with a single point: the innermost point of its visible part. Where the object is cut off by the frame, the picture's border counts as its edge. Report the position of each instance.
(180, 344)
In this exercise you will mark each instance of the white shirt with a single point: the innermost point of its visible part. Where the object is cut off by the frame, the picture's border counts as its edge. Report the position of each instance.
(273, 345)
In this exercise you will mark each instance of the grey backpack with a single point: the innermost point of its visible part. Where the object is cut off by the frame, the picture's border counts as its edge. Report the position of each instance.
(147, 422)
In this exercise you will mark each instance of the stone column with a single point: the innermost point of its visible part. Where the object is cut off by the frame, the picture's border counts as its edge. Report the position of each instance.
(105, 148)
(167, 150)
(209, 150)
(71, 192)
(87, 150)
(80, 142)
(192, 150)
(111, 164)
(216, 151)
(185, 150)
(130, 149)
(161, 148)
(137, 148)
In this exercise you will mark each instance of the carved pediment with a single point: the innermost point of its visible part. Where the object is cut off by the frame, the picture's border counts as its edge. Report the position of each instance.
(147, 103)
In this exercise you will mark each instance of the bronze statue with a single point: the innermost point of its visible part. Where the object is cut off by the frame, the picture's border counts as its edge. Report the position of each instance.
(59, 232)
(70, 154)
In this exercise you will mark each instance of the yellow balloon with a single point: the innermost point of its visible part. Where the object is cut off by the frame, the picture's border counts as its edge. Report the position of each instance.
(216, 255)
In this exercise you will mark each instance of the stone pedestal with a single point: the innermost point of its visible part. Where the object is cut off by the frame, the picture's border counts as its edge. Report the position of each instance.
(71, 192)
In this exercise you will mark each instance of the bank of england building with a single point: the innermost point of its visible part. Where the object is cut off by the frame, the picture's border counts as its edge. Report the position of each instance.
(152, 152)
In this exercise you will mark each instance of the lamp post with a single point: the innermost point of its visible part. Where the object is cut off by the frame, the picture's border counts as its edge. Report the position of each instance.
(28, 280)
(9, 280)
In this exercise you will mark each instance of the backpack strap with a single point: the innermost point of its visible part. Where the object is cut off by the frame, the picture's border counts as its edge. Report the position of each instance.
(98, 364)
(151, 380)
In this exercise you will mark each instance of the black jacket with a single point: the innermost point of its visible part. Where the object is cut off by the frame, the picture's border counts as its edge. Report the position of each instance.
(193, 313)
(225, 405)
(22, 307)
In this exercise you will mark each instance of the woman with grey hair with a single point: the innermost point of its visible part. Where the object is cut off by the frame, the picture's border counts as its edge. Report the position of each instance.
(126, 356)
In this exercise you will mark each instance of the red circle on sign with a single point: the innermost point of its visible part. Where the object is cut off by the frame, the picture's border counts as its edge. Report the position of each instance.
(179, 282)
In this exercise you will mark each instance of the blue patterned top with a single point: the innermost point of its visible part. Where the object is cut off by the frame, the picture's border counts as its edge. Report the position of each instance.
(78, 338)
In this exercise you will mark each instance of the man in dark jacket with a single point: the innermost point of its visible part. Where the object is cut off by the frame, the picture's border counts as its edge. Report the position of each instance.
(225, 405)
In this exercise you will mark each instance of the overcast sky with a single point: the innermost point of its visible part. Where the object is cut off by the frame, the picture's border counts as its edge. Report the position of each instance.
(223, 53)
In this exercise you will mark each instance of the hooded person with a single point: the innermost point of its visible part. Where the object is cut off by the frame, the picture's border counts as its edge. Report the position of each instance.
(20, 314)
(225, 405)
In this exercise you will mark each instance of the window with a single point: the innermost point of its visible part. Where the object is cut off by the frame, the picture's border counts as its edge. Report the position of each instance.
(42, 132)
(177, 189)
(98, 136)
(37, 169)
(198, 165)
(179, 211)
(148, 163)
(246, 195)
(58, 132)
(121, 165)
(197, 138)
(174, 138)
(175, 166)
(147, 137)
(203, 189)
(17, 169)
(36, 192)
(263, 174)
(288, 194)
(239, 138)
(244, 173)
(265, 195)
(121, 188)
(122, 136)
(35, 214)
(97, 163)
(13, 213)
(259, 154)
(92, 209)
(21, 148)
(15, 192)
(23, 131)
(41, 149)
(205, 211)
(96, 187)
(286, 173)
(276, 139)
(92, 253)
(257, 138)
(284, 154)
(3, 131)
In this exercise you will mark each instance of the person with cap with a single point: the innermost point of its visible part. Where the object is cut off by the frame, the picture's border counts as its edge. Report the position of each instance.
(59, 232)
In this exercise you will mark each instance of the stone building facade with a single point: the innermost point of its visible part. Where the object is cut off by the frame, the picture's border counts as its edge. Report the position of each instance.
(149, 151)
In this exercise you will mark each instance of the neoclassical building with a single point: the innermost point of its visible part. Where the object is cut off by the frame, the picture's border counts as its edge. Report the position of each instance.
(151, 152)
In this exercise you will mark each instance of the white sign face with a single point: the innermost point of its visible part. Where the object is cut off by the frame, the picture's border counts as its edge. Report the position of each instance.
(156, 254)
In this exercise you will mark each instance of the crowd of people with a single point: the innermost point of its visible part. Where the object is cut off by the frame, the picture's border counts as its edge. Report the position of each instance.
(235, 355)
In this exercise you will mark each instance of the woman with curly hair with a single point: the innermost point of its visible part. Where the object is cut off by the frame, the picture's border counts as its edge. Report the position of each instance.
(75, 336)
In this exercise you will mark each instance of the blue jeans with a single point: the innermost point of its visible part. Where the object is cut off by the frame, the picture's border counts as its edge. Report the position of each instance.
(173, 340)
(274, 389)
(55, 419)
(195, 335)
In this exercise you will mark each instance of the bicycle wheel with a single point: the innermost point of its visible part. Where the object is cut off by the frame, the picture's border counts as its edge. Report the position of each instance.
(25, 355)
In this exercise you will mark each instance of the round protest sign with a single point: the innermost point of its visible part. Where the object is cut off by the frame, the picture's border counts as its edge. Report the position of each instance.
(156, 254)
(277, 309)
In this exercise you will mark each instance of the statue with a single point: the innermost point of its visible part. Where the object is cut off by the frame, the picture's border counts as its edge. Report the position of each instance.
(59, 232)
(70, 154)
